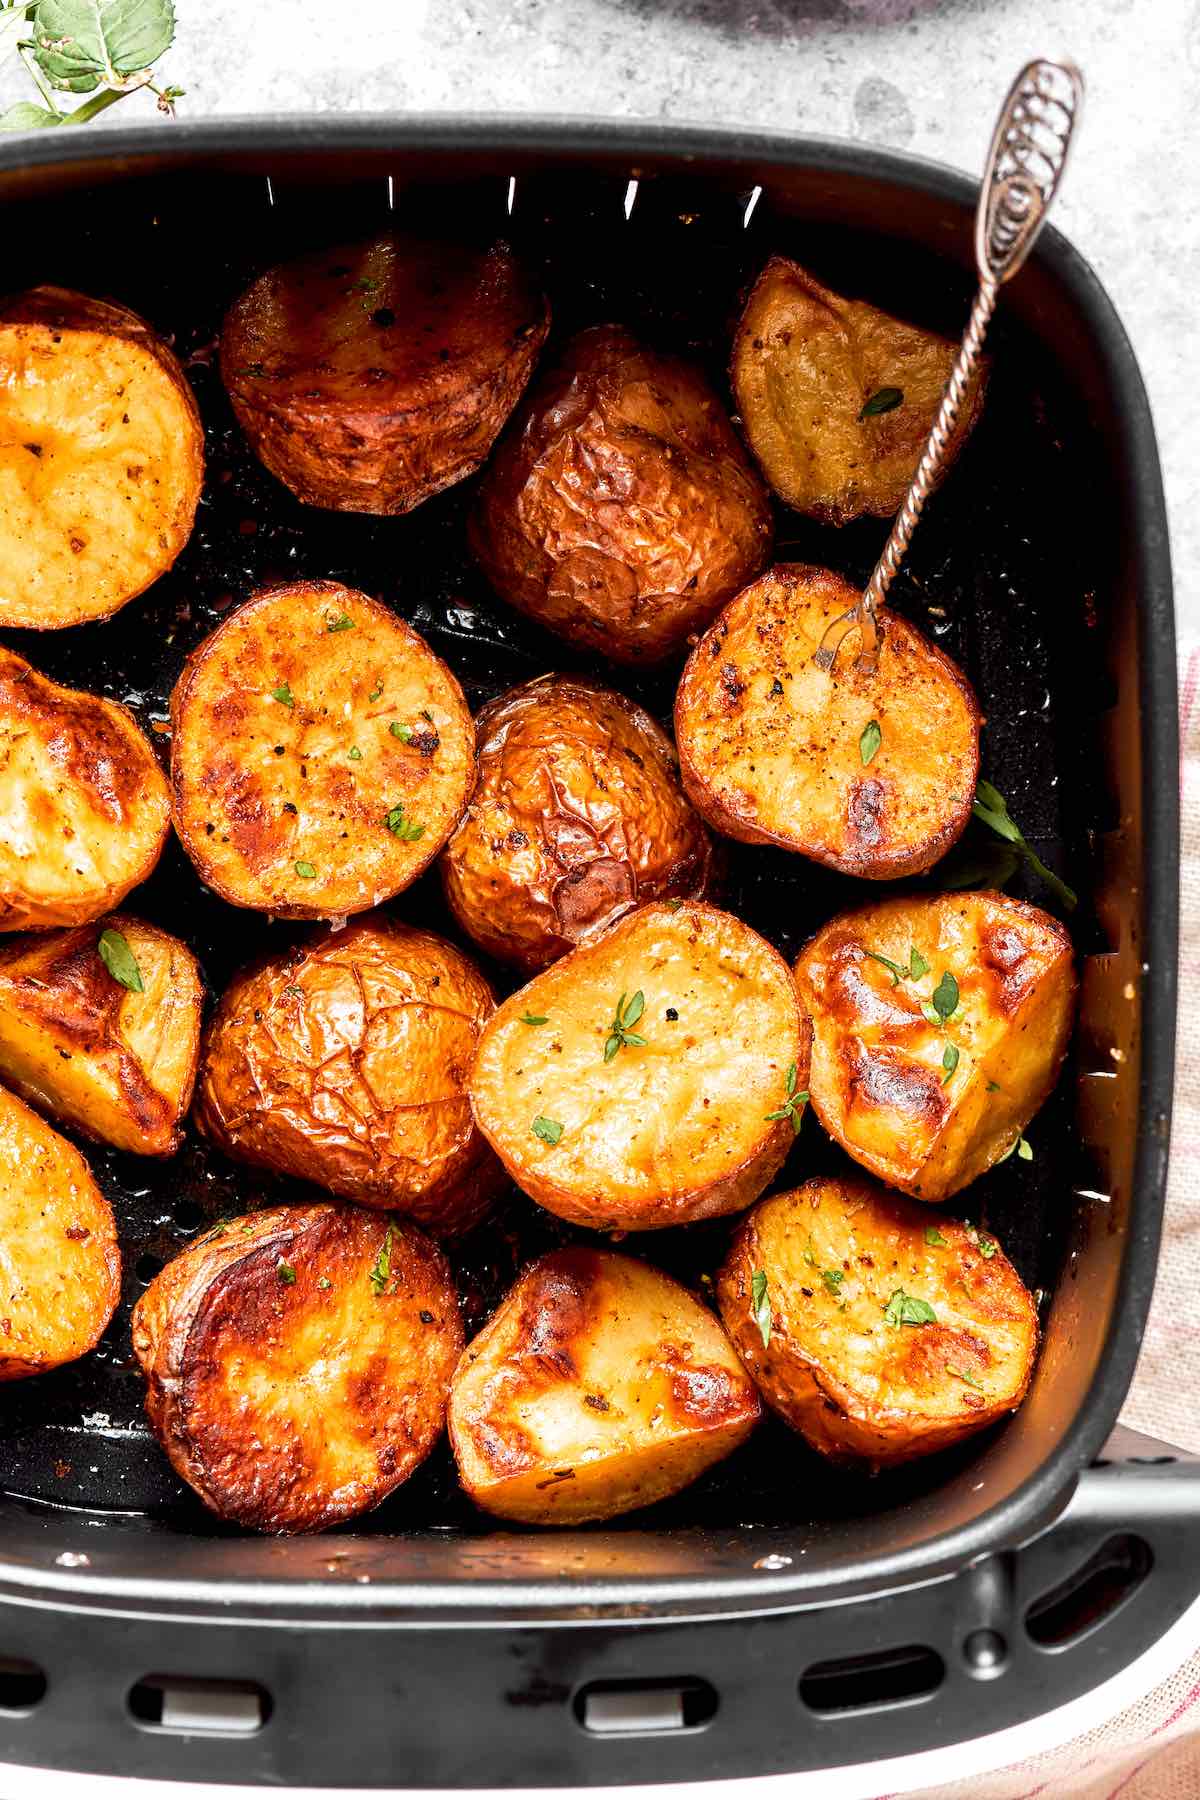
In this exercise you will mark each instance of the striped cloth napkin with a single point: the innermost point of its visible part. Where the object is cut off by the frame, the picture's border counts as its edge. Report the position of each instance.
(1152, 1751)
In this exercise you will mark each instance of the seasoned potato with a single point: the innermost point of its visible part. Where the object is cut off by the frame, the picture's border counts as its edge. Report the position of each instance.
(84, 806)
(101, 458)
(369, 377)
(60, 1269)
(81, 1040)
(886, 1336)
(600, 1385)
(577, 817)
(837, 398)
(621, 510)
(298, 1362)
(652, 1077)
(929, 1079)
(344, 1063)
(321, 753)
(870, 774)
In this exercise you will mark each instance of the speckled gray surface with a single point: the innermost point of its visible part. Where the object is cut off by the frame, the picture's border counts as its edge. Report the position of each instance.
(922, 75)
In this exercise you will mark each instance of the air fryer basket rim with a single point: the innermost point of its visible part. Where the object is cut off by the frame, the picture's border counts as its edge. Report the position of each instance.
(644, 148)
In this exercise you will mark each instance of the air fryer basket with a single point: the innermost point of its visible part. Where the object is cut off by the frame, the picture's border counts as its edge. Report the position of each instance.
(776, 1616)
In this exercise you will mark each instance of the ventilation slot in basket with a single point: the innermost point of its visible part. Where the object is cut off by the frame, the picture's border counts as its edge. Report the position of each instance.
(622, 1708)
(864, 1683)
(1090, 1594)
(22, 1685)
(217, 1708)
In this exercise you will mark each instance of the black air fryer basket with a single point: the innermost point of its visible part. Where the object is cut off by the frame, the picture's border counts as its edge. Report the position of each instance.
(777, 1616)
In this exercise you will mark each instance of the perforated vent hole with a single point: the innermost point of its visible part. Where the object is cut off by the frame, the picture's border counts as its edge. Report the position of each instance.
(188, 1216)
(147, 1267)
(22, 1685)
(183, 1704)
(1091, 1593)
(864, 1683)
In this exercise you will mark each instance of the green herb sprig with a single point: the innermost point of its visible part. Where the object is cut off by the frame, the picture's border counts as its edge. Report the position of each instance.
(382, 1269)
(917, 966)
(406, 829)
(793, 1105)
(883, 400)
(944, 1002)
(907, 1309)
(870, 741)
(760, 1306)
(619, 1034)
(991, 807)
(119, 960)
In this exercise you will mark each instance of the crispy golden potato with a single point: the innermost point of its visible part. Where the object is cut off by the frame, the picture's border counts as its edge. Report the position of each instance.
(837, 398)
(344, 1062)
(928, 1080)
(321, 753)
(890, 1332)
(621, 510)
(577, 817)
(79, 1042)
(600, 1385)
(101, 458)
(84, 806)
(775, 751)
(688, 1117)
(371, 376)
(60, 1269)
(298, 1361)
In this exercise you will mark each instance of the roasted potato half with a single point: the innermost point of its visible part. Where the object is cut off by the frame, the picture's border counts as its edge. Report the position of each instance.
(871, 774)
(878, 1335)
(344, 1062)
(621, 510)
(298, 1361)
(321, 753)
(60, 1269)
(836, 397)
(369, 377)
(84, 806)
(600, 1385)
(100, 1027)
(929, 1078)
(101, 458)
(652, 1077)
(577, 817)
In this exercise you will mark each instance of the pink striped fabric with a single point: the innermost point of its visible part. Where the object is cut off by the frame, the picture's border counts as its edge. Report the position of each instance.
(1152, 1751)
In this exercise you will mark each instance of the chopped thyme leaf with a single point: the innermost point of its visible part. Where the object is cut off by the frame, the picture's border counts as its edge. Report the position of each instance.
(949, 1061)
(383, 1262)
(323, 1281)
(619, 1033)
(793, 1105)
(286, 1273)
(760, 1306)
(354, 753)
(883, 400)
(933, 1236)
(407, 830)
(961, 1375)
(870, 741)
(119, 960)
(897, 973)
(403, 732)
(283, 694)
(535, 1018)
(372, 697)
(833, 1279)
(917, 966)
(306, 870)
(549, 1130)
(945, 997)
(340, 622)
(907, 1309)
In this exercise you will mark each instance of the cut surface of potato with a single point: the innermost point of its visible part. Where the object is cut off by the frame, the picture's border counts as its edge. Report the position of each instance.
(84, 806)
(600, 1385)
(837, 398)
(371, 376)
(577, 817)
(298, 1361)
(114, 1060)
(929, 1080)
(101, 458)
(871, 774)
(321, 753)
(60, 1269)
(891, 1331)
(621, 510)
(344, 1062)
(672, 1126)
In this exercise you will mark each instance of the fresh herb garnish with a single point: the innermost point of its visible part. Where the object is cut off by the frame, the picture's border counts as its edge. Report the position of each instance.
(833, 1279)
(286, 1273)
(1023, 1148)
(406, 829)
(961, 1375)
(619, 1033)
(898, 973)
(283, 694)
(945, 1000)
(870, 741)
(917, 966)
(535, 1018)
(883, 400)
(306, 870)
(323, 1281)
(372, 697)
(991, 806)
(906, 1309)
(760, 1306)
(340, 622)
(933, 1236)
(403, 732)
(949, 1061)
(354, 753)
(549, 1130)
(987, 1247)
(383, 1262)
(993, 1087)
(794, 1103)
(119, 960)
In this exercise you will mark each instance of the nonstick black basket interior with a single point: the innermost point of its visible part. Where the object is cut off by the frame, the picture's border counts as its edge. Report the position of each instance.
(1012, 573)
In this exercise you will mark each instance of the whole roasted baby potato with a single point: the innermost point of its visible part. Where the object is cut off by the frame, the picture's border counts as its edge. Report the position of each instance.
(101, 458)
(654, 1076)
(344, 1062)
(60, 1269)
(100, 1027)
(940, 1023)
(371, 376)
(620, 510)
(321, 753)
(577, 817)
(836, 397)
(298, 1361)
(85, 808)
(600, 1385)
(878, 1335)
(871, 774)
